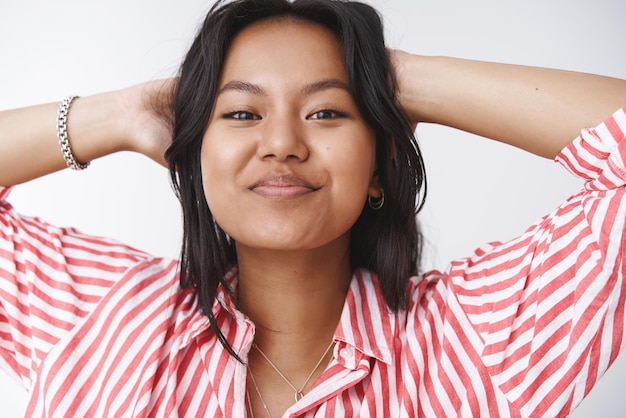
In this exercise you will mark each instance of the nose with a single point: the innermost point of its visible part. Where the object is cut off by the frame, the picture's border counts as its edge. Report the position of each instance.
(282, 140)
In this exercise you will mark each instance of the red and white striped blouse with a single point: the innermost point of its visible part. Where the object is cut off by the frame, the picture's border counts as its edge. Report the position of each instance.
(521, 328)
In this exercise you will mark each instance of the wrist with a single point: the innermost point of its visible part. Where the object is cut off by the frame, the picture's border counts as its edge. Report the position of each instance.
(146, 118)
(96, 127)
(415, 75)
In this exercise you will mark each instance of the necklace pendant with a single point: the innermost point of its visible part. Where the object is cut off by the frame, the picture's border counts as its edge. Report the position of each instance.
(298, 395)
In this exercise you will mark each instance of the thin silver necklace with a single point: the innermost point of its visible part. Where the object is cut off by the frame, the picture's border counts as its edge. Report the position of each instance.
(258, 392)
(298, 393)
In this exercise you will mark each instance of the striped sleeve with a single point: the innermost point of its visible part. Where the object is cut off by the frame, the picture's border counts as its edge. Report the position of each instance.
(50, 278)
(548, 307)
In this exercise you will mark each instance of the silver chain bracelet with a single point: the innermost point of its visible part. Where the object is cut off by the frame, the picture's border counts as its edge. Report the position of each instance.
(63, 138)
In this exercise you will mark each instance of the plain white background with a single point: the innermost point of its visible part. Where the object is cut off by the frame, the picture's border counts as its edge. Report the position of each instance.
(478, 190)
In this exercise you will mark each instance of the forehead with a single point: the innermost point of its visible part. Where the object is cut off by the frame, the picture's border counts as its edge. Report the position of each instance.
(289, 48)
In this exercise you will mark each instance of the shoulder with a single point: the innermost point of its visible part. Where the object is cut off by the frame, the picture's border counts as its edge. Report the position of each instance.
(148, 275)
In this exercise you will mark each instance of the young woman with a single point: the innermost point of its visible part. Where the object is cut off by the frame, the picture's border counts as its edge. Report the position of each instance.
(289, 140)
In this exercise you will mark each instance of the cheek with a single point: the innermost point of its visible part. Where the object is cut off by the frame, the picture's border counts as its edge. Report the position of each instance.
(354, 163)
(347, 164)
(208, 170)
(353, 169)
(219, 164)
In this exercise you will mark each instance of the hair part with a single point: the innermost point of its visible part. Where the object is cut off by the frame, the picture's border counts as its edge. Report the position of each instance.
(386, 241)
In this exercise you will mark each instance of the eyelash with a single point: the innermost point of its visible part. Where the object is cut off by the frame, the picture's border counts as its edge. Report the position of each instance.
(335, 114)
(236, 115)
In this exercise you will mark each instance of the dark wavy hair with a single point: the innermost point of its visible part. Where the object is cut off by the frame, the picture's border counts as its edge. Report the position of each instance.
(386, 241)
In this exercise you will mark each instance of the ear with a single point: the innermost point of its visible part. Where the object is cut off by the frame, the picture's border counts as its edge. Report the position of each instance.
(375, 190)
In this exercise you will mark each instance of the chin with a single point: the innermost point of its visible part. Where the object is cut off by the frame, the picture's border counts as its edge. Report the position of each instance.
(275, 244)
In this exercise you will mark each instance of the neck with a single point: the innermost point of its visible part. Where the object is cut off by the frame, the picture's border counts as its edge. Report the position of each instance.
(294, 297)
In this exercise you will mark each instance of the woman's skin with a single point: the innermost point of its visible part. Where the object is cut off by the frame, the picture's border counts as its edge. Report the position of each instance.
(98, 125)
(539, 110)
(288, 163)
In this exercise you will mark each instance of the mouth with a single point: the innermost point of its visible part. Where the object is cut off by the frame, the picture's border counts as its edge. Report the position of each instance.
(282, 186)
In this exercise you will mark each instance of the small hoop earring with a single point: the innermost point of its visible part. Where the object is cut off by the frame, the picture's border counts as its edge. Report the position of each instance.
(378, 203)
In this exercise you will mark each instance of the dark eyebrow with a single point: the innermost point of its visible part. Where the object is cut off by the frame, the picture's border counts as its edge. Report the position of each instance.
(242, 86)
(246, 87)
(330, 83)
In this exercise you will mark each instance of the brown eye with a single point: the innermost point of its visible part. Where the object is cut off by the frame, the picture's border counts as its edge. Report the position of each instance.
(241, 115)
(327, 114)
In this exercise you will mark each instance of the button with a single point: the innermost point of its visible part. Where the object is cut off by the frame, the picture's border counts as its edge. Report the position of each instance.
(347, 353)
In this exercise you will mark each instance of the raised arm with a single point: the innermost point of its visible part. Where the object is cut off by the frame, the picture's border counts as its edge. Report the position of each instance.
(537, 109)
(133, 119)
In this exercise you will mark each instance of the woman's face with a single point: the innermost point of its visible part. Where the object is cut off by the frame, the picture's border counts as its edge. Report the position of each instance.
(287, 160)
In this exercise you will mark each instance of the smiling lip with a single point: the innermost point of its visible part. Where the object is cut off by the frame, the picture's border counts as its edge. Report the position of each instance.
(275, 186)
